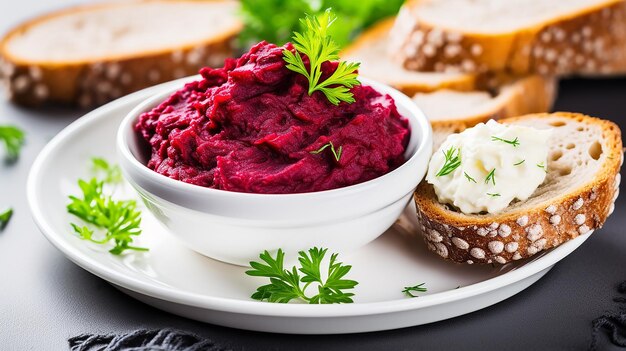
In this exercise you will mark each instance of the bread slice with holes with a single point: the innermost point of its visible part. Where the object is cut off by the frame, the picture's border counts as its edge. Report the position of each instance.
(515, 36)
(453, 111)
(576, 197)
(451, 101)
(91, 54)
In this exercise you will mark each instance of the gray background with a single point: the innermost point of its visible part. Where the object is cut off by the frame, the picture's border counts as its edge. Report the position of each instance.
(44, 298)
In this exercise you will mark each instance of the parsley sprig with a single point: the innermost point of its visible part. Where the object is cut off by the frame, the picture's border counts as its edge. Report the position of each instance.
(13, 138)
(410, 290)
(453, 161)
(118, 219)
(286, 285)
(5, 217)
(112, 173)
(319, 47)
(336, 153)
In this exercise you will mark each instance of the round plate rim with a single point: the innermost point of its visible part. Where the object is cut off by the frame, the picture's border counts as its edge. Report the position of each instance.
(253, 307)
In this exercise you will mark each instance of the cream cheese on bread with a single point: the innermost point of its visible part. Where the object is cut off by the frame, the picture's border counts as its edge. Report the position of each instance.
(485, 168)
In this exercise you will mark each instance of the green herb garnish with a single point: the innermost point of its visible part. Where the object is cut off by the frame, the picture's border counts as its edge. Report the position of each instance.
(491, 177)
(336, 153)
(519, 163)
(469, 178)
(493, 195)
(275, 20)
(112, 173)
(13, 139)
(542, 166)
(453, 161)
(319, 47)
(118, 219)
(286, 285)
(409, 290)
(514, 142)
(5, 217)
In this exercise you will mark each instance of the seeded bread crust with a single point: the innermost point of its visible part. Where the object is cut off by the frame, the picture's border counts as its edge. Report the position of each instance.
(512, 236)
(92, 83)
(590, 43)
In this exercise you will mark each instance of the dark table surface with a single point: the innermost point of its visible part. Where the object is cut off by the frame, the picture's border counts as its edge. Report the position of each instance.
(45, 298)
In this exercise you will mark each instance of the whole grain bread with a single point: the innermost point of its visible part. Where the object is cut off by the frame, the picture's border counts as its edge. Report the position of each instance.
(577, 196)
(89, 55)
(517, 36)
(452, 101)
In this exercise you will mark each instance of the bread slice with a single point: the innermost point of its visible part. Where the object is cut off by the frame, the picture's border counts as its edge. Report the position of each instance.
(451, 101)
(370, 49)
(516, 36)
(91, 54)
(452, 111)
(577, 196)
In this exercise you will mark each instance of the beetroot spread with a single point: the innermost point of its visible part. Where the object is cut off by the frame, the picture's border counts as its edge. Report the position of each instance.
(252, 127)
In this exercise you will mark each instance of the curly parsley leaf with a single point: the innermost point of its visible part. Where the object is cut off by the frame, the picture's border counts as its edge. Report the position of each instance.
(411, 290)
(319, 47)
(112, 173)
(13, 138)
(119, 220)
(5, 217)
(286, 285)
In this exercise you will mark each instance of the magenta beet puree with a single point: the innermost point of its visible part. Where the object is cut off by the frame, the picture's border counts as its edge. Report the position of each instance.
(252, 127)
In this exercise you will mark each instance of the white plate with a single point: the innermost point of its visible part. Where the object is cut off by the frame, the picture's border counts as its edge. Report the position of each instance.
(176, 279)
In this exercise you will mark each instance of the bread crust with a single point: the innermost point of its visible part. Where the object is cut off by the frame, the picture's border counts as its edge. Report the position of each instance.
(589, 43)
(502, 238)
(88, 83)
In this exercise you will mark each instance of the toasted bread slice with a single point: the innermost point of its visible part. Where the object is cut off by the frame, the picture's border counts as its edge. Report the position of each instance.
(577, 196)
(518, 36)
(91, 54)
(452, 111)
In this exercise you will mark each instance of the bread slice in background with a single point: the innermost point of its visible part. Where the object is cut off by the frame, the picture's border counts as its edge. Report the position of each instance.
(453, 111)
(577, 196)
(514, 36)
(452, 101)
(91, 54)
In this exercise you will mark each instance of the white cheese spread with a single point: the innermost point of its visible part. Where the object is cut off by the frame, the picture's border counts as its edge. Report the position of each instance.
(484, 168)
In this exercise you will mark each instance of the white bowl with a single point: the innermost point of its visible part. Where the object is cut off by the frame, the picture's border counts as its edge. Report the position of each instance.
(236, 227)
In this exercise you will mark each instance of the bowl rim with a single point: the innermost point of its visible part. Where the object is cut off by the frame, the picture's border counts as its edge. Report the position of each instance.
(416, 118)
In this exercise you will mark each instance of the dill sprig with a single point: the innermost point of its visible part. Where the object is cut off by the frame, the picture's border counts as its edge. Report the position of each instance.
(493, 194)
(519, 163)
(491, 177)
(469, 178)
(542, 166)
(336, 153)
(453, 161)
(409, 290)
(514, 142)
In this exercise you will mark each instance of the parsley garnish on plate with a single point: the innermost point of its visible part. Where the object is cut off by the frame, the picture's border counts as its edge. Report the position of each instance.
(319, 47)
(13, 138)
(410, 290)
(336, 153)
(112, 173)
(5, 217)
(287, 284)
(117, 220)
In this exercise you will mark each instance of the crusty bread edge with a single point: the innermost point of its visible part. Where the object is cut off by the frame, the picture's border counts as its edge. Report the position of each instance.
(466, 82)
(90, 83)
(482, 240)
(531, 50)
